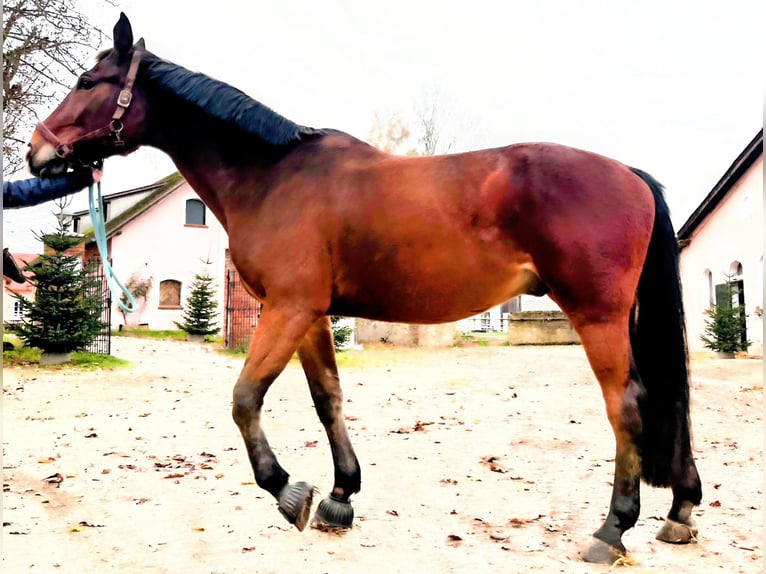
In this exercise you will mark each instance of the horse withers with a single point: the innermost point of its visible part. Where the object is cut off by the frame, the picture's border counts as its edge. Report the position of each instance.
(320, 223)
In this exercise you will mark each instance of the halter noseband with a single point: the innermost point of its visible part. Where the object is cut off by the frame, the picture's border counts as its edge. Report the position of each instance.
(115, 126)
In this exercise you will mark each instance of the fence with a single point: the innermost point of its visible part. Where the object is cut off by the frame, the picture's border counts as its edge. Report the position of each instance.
(96, 285)
(242, 310)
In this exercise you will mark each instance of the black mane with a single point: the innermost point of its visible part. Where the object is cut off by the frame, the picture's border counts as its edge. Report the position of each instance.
(223, 101)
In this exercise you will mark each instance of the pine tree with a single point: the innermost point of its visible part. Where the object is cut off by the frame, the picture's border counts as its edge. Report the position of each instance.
(341, 334)
(200, 308)
(726, 325)
(65, 315)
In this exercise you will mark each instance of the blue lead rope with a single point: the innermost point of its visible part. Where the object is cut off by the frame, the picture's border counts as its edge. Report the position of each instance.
(99, 231)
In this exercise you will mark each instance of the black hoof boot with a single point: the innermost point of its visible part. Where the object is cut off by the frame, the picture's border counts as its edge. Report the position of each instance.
(294, 502)
(333, 514)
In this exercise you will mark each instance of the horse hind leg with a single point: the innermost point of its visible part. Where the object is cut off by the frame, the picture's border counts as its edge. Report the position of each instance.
(317, 355)
(276, 338)
(607, 346)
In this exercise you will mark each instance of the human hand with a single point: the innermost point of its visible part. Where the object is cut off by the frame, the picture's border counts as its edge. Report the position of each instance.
(97, 173)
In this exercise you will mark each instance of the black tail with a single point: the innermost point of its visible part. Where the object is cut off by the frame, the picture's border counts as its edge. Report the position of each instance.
(660, 353)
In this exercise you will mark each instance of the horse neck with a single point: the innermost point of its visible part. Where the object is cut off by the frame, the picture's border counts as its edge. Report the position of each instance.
(213, 157)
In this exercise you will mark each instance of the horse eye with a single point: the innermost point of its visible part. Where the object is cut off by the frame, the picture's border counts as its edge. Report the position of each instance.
(85, 83)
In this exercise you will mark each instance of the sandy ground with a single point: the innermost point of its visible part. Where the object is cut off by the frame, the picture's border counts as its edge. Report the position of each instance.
(474, 460)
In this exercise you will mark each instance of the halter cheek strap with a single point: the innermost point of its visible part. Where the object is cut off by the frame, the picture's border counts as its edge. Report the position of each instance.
(115, 126)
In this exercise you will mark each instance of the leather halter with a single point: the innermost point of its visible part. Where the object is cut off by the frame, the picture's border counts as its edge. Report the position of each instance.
(112, 129)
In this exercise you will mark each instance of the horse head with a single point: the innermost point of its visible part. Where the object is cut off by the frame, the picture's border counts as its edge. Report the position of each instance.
(102, 116)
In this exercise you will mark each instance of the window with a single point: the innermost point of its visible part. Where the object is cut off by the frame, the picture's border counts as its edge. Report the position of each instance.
(735, 269)
(18, 313)
(195, 212)
(170, 294)
(708, 287)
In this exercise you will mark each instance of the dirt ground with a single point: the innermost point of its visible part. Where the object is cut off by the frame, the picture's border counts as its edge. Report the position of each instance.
(473, 460)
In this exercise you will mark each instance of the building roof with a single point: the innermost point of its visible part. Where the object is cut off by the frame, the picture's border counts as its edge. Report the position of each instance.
(747, 158)
(22, 260)
(158, 191)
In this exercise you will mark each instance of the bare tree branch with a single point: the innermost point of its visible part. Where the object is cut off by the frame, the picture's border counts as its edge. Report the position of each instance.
(44, 44)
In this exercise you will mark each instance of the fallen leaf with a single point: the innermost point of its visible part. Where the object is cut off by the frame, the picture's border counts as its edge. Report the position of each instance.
(491, 462)
(199, 528)
(54, 478)
(175, 475)
(248, 549)
(89, 525)
(310, 443)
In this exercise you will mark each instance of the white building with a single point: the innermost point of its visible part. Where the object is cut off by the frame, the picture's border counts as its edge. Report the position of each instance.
(724, 238)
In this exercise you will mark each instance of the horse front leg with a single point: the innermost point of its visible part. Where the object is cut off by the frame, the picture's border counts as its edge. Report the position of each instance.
(317, 355)
(276, 338)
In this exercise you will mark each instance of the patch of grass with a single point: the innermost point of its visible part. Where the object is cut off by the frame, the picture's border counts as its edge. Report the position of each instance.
(490, 339)
(144, 333)
(21, 356)
(236, 352)
(28, 356)
(93, 361)
(374, 356)
(12, 339)
(369, 357)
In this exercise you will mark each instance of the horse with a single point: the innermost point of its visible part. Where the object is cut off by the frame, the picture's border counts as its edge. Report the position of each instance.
(321, 223)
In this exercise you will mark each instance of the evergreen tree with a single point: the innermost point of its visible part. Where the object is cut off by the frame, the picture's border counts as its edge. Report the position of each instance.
(200, 309)
(65, 315)
(726, 325)
(341, 334)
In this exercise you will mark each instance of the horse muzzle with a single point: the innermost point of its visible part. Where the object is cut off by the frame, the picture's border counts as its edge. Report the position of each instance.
(42, 159)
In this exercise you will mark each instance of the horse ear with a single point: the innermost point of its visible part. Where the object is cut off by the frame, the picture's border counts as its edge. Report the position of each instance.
(123, 35)
(140, 44)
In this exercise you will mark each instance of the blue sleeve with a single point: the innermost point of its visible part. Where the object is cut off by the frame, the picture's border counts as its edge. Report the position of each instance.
(27, 192)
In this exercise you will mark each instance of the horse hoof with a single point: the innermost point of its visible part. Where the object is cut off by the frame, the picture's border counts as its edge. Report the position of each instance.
(677, 532)
(599, 552)
(294, 503)
(333, 514)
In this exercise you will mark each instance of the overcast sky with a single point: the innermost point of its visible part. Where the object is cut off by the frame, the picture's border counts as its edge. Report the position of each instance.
(674, 88)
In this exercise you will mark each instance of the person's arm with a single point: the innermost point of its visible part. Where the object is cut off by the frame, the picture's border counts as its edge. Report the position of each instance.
(29, 192)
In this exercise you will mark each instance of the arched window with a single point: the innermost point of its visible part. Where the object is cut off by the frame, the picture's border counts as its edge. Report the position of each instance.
(736, 269)
(707, 286)
(195, 212)
(170, 294)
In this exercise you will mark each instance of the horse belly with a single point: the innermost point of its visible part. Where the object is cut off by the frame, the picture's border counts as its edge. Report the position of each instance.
(437, 288)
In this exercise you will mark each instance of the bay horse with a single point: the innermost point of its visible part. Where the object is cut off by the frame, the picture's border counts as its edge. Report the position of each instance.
(320, 224)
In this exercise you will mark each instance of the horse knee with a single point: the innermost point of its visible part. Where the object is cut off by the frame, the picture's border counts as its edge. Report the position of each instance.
(246, 403)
